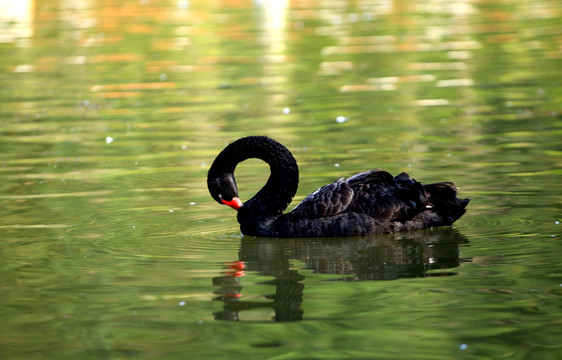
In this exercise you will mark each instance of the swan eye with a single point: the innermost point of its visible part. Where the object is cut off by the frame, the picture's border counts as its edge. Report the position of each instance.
(224, 197)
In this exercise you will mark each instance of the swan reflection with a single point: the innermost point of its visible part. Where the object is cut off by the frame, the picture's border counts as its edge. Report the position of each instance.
(382, 257)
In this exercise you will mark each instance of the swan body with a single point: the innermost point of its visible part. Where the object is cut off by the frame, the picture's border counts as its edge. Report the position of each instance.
(370, 202)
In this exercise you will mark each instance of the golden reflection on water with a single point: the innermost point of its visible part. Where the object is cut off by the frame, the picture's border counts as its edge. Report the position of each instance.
(280, 23)
(20, 15)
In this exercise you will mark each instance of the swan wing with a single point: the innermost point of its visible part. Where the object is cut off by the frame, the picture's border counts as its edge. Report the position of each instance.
(375, 193)
(326, 201)
(384, 197)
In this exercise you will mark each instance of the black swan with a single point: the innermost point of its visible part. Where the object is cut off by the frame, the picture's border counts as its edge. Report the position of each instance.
(370, 202)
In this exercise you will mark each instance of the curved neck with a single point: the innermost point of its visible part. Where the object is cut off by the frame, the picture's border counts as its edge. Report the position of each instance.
(277, 193)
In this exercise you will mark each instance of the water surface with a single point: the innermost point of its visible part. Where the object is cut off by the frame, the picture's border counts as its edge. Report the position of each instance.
(111, 113)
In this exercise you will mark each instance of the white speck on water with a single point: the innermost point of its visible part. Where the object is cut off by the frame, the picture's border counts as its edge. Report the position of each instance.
(200, 322)
(171, 210)
(337, 20)
(183, 4)
(193, 203)
(109, 139)
(181, 303)
(286, 111)
(184, 147)
(136, 162)
(341, 119)
(557, 222)
(134, 227)
(163, 77)
(463, 346)
(203, 164)
(337, 165)
(448, 155)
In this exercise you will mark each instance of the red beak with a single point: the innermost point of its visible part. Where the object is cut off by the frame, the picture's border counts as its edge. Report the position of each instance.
(235, 203)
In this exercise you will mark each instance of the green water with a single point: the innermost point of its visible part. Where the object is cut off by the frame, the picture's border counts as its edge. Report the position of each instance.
(112, 111)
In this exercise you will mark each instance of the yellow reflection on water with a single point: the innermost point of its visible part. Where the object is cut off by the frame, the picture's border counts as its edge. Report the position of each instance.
(16, 19)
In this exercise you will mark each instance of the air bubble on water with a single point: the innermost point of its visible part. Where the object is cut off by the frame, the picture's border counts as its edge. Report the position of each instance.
(286, 111)
(181, 303)
(163, 77)
(183, 147)
(341, 119)
(171, 210)
(200, 322)
(463, 346)
(337, 165)
(557, 222)
(193, 203)
(109, 140)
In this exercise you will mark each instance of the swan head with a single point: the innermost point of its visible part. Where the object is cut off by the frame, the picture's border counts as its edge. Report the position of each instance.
(222, 188)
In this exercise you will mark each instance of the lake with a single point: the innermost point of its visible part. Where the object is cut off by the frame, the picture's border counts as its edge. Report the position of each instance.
(111, 113)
